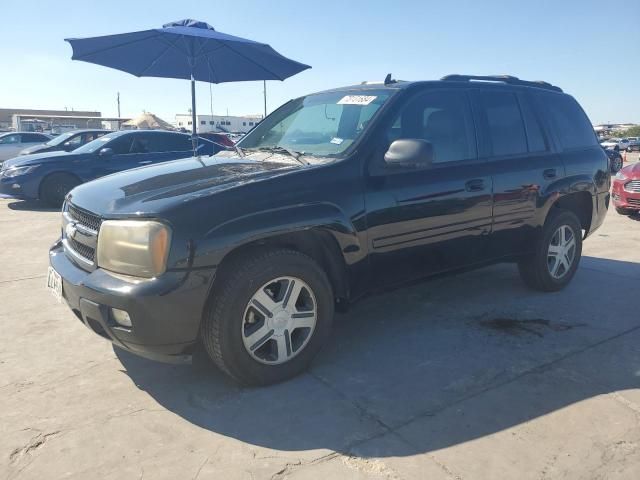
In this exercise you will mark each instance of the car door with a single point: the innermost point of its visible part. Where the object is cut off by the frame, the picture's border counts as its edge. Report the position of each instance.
(522, 161)
(422, 221)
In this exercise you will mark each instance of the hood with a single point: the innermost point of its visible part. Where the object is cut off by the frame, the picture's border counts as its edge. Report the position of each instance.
(36, 149)
(632, 171)
(35, 159)
(150, 190)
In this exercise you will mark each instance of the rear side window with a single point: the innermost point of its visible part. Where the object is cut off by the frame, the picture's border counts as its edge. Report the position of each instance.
(504, 122)
(535, 136)
(569, 122)
(178, 143)
(33, 137)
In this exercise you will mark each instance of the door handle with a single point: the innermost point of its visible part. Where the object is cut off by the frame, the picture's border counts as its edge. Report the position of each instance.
(550, 173)
(474, 185)
(146, 162)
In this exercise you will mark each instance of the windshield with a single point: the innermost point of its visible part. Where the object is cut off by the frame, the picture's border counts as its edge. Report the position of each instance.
(323, 125)
(96, 144)
(60, 139)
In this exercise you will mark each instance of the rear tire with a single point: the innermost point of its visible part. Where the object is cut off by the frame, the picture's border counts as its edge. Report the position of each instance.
(55, 187)
(557, 253)
(252, 341)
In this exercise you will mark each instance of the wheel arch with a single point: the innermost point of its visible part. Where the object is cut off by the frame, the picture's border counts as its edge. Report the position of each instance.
(53, 173)
(320, 231)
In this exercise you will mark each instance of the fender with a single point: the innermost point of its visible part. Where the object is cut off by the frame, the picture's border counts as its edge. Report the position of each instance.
(563, 187)
(228, 236)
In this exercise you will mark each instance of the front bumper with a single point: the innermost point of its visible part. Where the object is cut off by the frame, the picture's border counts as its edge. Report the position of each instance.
(624, 199)
(165, 312)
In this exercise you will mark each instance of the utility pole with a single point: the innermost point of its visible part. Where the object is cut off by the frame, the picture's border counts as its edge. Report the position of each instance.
(118, 97)
(265, 97)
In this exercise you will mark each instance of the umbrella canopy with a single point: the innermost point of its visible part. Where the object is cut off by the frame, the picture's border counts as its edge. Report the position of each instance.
(148, 121)
(186, 49)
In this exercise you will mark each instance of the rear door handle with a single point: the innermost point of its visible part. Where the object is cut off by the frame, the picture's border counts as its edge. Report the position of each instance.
(146, 162)
(474, 185)
(550, 173)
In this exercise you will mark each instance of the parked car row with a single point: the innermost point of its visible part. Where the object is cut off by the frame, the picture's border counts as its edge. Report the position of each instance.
(51, 174)
(12, 143)
(625, 144)
(332, 196)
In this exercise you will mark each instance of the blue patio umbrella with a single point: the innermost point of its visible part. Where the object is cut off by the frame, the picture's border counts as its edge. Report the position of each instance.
(186, 49)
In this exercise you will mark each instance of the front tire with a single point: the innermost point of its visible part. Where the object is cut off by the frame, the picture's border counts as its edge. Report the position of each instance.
(624, 211)
(271, 312)
(55, 187)
(616, 164)
(557, 254)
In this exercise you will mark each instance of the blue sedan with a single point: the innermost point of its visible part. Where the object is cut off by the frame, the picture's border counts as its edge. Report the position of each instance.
(50, 176)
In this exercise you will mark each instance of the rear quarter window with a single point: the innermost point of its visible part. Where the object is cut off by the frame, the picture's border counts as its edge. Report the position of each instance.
(567, 120)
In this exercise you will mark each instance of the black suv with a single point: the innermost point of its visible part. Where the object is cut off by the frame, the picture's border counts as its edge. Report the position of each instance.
(334, 195)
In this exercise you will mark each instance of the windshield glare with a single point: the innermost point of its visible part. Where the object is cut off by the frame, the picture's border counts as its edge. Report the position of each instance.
(96, 144)
(324, 124)
(60, 139)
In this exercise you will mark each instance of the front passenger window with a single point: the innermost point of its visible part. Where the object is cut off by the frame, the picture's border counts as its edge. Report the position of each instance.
(442, 118)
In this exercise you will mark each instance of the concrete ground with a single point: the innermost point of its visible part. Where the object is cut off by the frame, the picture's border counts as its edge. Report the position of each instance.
(465, 377)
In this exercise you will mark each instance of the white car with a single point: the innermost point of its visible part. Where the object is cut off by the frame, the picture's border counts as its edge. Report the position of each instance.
(621, 143)
(12, 143)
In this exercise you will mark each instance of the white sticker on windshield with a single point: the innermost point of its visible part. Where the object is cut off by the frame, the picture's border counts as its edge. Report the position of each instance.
(357, 100)
(337, 140)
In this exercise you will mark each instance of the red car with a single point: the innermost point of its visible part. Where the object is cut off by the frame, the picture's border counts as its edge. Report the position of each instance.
(626, 190)
(220, 140)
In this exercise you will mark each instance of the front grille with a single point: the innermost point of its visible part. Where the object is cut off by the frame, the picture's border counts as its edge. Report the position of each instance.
(634, 201)
(82, 249)
(84, 218)
(633, 186)
(80, 234)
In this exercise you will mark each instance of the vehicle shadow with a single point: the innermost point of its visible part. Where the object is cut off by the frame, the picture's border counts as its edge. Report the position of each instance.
(440, 363)
(31, 206)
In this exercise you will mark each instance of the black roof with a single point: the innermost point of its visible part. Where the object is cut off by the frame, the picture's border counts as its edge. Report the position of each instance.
(454, 78)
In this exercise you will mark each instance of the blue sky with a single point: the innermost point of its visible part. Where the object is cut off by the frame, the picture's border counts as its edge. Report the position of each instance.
(589, 48)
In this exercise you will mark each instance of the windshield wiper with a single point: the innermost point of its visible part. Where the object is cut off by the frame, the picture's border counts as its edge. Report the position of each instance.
(292, 153)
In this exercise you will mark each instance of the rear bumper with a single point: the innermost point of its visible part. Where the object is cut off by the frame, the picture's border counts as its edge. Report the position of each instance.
(624, 199)
(165, 312)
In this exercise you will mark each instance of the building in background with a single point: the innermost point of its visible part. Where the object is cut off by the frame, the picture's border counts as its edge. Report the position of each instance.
(605, 129)
(218, 123)
(54, 121)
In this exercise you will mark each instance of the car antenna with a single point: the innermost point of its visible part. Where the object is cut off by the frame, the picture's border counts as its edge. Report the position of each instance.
(388, 80)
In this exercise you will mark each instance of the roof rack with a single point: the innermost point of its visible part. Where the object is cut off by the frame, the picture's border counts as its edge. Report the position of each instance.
(508, 79)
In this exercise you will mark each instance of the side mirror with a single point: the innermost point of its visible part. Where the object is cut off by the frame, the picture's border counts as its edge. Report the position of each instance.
(409, 153)
(106, 152)
(67, 147)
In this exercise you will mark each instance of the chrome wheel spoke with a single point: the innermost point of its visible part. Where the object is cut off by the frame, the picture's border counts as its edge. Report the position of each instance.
(304, 319)
(264, 303)
(293, 294)
(284, 347)
(258, 337)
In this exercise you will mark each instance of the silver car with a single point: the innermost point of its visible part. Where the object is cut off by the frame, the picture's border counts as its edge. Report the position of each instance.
(12, 142)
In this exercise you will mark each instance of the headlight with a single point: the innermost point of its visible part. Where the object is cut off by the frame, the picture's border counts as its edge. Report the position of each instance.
(17, 171)
(134, 247)
(620, 176)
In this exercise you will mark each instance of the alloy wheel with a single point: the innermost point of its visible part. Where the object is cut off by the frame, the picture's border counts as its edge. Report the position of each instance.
(279, 320)
(562, 252)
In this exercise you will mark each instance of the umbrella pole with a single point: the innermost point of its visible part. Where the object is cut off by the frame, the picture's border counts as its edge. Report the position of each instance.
(194, 132)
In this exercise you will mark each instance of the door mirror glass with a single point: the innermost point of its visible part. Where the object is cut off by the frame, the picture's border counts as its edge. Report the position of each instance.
(106, 152)
(409, 153)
